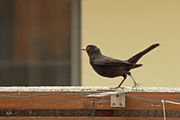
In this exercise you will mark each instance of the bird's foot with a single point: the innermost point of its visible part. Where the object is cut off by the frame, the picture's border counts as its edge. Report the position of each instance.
(118, 87)
(135, 86)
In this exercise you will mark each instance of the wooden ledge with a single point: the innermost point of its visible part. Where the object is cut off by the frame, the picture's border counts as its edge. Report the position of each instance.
(86, 89)
(73, 101)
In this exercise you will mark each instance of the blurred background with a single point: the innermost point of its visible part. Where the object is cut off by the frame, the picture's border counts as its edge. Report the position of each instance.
(40, 41)
(36, 42)
(122, 28)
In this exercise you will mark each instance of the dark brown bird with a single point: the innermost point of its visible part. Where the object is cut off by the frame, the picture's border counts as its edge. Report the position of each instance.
(110, 67)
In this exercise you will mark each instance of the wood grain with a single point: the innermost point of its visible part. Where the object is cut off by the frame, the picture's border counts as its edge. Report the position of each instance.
(62, 101)
(84, 118)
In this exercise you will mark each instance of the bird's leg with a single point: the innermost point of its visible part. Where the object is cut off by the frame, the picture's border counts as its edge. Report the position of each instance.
(135, 83)
(124, 76)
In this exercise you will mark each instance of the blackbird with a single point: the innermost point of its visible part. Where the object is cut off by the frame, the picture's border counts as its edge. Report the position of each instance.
(110, 67)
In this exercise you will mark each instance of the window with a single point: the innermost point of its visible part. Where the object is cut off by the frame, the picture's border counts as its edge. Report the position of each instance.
(36, 42)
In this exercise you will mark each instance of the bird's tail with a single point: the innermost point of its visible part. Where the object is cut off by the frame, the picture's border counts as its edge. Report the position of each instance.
(136, 57)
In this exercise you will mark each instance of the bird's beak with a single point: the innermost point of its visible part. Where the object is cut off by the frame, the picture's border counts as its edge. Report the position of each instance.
(84, 49)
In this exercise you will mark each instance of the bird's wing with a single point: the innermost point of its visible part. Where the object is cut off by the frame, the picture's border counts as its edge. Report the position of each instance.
(103, 60)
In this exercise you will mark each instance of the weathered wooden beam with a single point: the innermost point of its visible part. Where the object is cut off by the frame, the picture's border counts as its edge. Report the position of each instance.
(89, 113)
(74, 100)
(85, 118)
(56, 101)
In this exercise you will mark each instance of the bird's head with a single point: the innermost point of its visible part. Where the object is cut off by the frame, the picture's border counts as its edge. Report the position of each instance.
(91, 50)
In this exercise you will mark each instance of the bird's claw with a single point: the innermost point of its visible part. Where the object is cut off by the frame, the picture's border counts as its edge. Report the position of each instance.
(118, 87)
(135, 86)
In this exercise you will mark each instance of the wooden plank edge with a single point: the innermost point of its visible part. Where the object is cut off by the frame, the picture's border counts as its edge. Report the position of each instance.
(86, 89)
(85, 118)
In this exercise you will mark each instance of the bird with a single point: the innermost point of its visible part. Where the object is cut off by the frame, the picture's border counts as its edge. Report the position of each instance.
(111, 67)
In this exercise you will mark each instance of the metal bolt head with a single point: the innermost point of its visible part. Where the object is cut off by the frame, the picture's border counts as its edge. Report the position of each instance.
(113, 104)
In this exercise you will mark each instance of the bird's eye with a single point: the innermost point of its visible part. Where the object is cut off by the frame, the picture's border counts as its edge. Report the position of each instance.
(88, 48)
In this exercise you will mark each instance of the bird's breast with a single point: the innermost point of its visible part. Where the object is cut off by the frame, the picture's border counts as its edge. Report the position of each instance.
(109, 71)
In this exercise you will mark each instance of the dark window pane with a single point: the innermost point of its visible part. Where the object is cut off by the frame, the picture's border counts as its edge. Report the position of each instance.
(35, 42)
